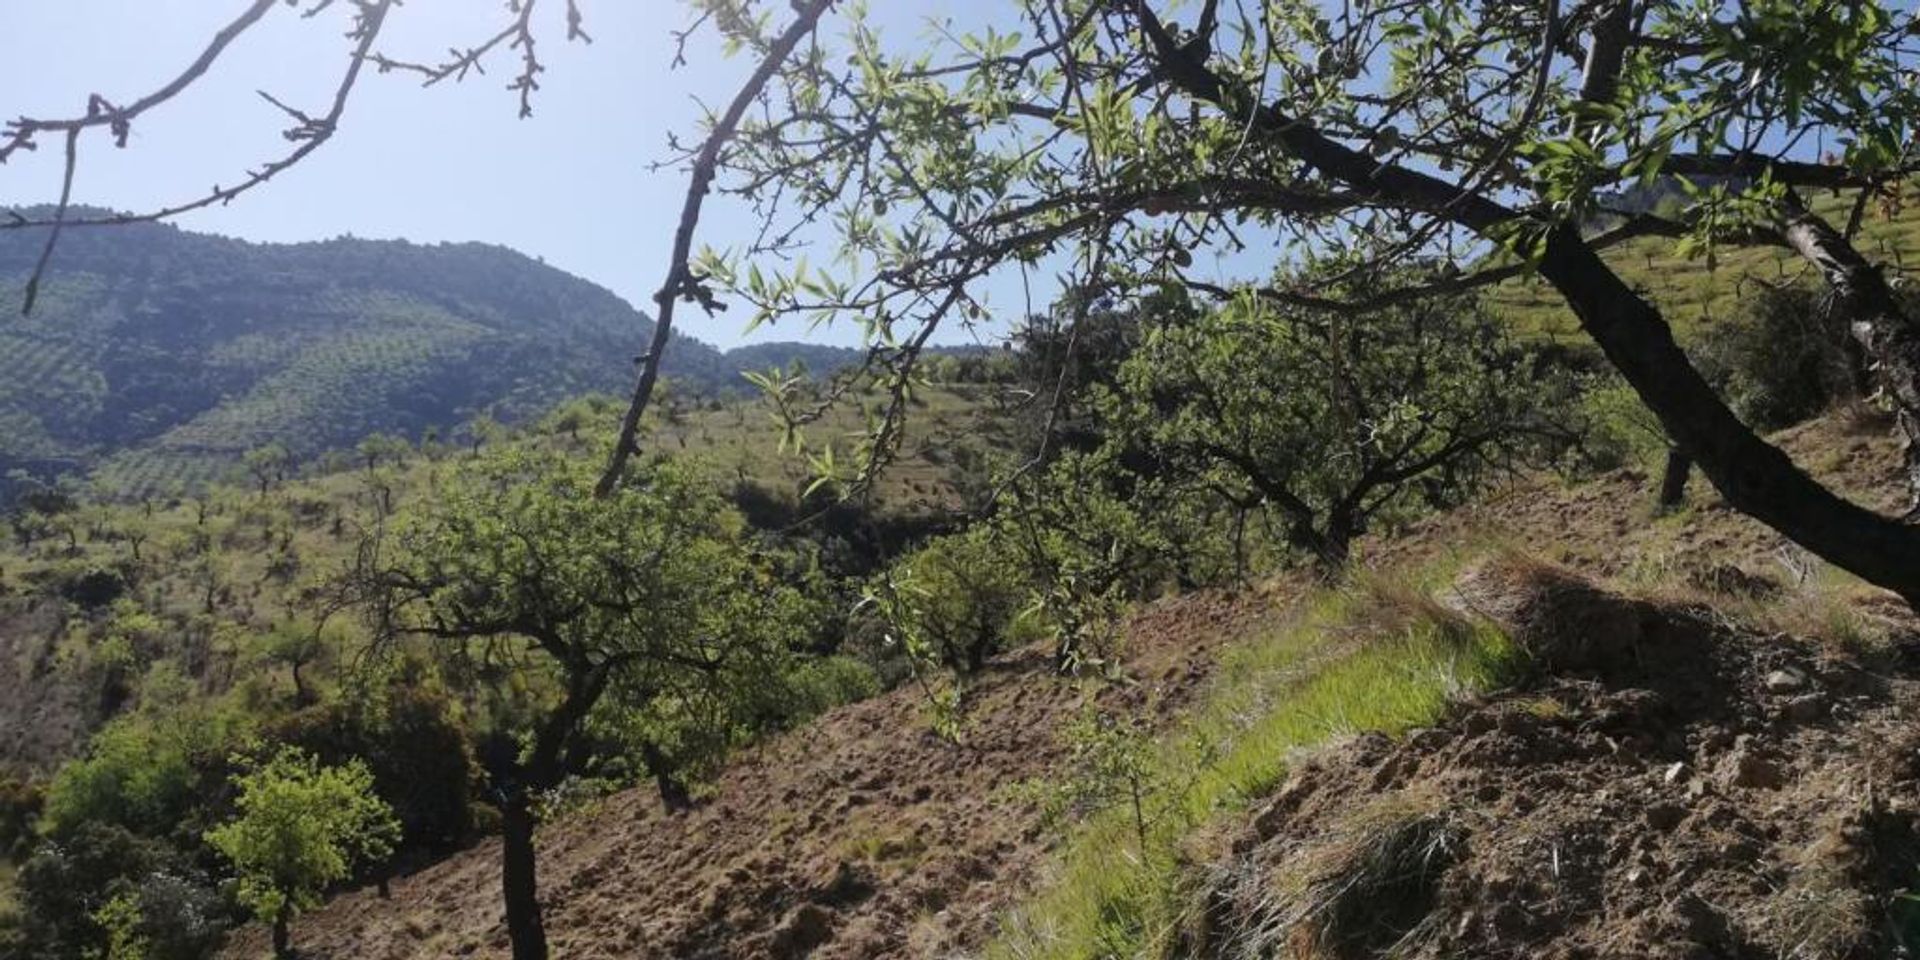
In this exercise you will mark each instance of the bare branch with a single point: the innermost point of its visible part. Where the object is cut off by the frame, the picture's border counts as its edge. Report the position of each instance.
(681, 282)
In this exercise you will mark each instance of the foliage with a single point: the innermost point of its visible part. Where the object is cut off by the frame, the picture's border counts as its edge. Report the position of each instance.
(20, 803)
(961, 598)
(1617, 430)
(1782, 360)
(1330, 421)
(408, 733)
(146, 772)
(99, 883)
(299, 828)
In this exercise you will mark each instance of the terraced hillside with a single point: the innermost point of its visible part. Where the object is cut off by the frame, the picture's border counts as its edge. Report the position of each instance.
(158, 356)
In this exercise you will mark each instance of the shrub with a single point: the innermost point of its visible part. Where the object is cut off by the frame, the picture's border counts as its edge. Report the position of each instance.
(1782, 361)
(412, 742)
(149, 773)
(20, 804)
(73, 883)
(962, 596)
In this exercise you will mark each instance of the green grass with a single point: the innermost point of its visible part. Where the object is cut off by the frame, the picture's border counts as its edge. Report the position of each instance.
(1691, 293)
(1377, 656)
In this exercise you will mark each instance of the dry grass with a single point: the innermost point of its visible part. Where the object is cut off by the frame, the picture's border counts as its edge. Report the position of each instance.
(1362, 888)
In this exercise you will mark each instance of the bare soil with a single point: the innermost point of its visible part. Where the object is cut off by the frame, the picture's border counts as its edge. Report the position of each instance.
(1667, 786)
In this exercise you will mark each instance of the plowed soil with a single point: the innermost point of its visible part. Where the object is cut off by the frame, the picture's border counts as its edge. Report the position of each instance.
(863, 835)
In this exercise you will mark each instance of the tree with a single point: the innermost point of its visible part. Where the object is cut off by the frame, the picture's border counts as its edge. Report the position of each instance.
(383, 448)
(644, 602)
(1115, 143)
(300, 828)
(963, 595)
(1330, 420)
(268, 465)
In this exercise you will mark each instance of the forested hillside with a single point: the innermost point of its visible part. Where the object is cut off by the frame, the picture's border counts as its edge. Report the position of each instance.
(159, 356)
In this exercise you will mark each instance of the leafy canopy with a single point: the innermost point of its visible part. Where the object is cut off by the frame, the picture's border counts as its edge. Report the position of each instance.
(300, 828)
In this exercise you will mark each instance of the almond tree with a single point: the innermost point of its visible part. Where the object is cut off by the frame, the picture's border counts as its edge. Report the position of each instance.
(1128, 149)
(570, 607)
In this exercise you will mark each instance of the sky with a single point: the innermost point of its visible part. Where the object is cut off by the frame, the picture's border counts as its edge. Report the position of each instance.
(574, 185)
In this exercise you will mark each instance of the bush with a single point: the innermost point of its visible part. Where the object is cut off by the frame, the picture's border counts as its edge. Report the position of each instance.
(164, 916)
(412, 742)
(1617, 430)
(72, 884)
(20, 804)
(963, 595)
(151, 773)
(1782, 361)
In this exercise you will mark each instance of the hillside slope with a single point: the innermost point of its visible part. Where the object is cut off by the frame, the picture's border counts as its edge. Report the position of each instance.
(159, 355)
(865, 836)
(165, 353)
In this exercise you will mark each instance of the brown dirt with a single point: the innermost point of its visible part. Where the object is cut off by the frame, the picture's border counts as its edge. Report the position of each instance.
(863, 835)
(44, 717)
(1668, 786)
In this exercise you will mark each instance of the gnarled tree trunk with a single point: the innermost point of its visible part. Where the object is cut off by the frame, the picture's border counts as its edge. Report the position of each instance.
(1884, 334)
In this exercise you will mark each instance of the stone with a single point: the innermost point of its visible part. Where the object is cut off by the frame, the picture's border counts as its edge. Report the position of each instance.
(1745, 767)
(807, 927)
(1665, 815)
(1786, 680)
(1807, 708)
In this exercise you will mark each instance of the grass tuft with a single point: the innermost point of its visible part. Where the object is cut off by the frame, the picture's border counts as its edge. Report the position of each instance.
(1379, 655)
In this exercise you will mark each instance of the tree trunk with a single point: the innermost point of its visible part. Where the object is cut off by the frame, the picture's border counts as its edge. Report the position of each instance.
(673, 793)
(519, 884)
(1673, 483)
(282, 929)
(1883, 332)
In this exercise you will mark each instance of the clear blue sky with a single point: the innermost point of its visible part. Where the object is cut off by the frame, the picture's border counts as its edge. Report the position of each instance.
(571, 185)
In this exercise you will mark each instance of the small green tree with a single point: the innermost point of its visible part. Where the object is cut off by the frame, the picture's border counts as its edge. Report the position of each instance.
(300, 828)
(967, 594)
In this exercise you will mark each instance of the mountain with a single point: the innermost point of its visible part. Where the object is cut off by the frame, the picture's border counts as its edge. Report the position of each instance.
(158, 356)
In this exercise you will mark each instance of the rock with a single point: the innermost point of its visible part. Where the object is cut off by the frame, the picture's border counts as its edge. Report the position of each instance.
(1745, 767)
(1806, 708)
(1786, 680)
(807, 927)
(1675, 772)
(1665, 815)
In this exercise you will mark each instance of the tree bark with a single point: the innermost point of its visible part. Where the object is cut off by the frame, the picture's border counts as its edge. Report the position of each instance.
(282, 929)
(1673, 482)
(518, 880)
(1882, 331)
(673, 793)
